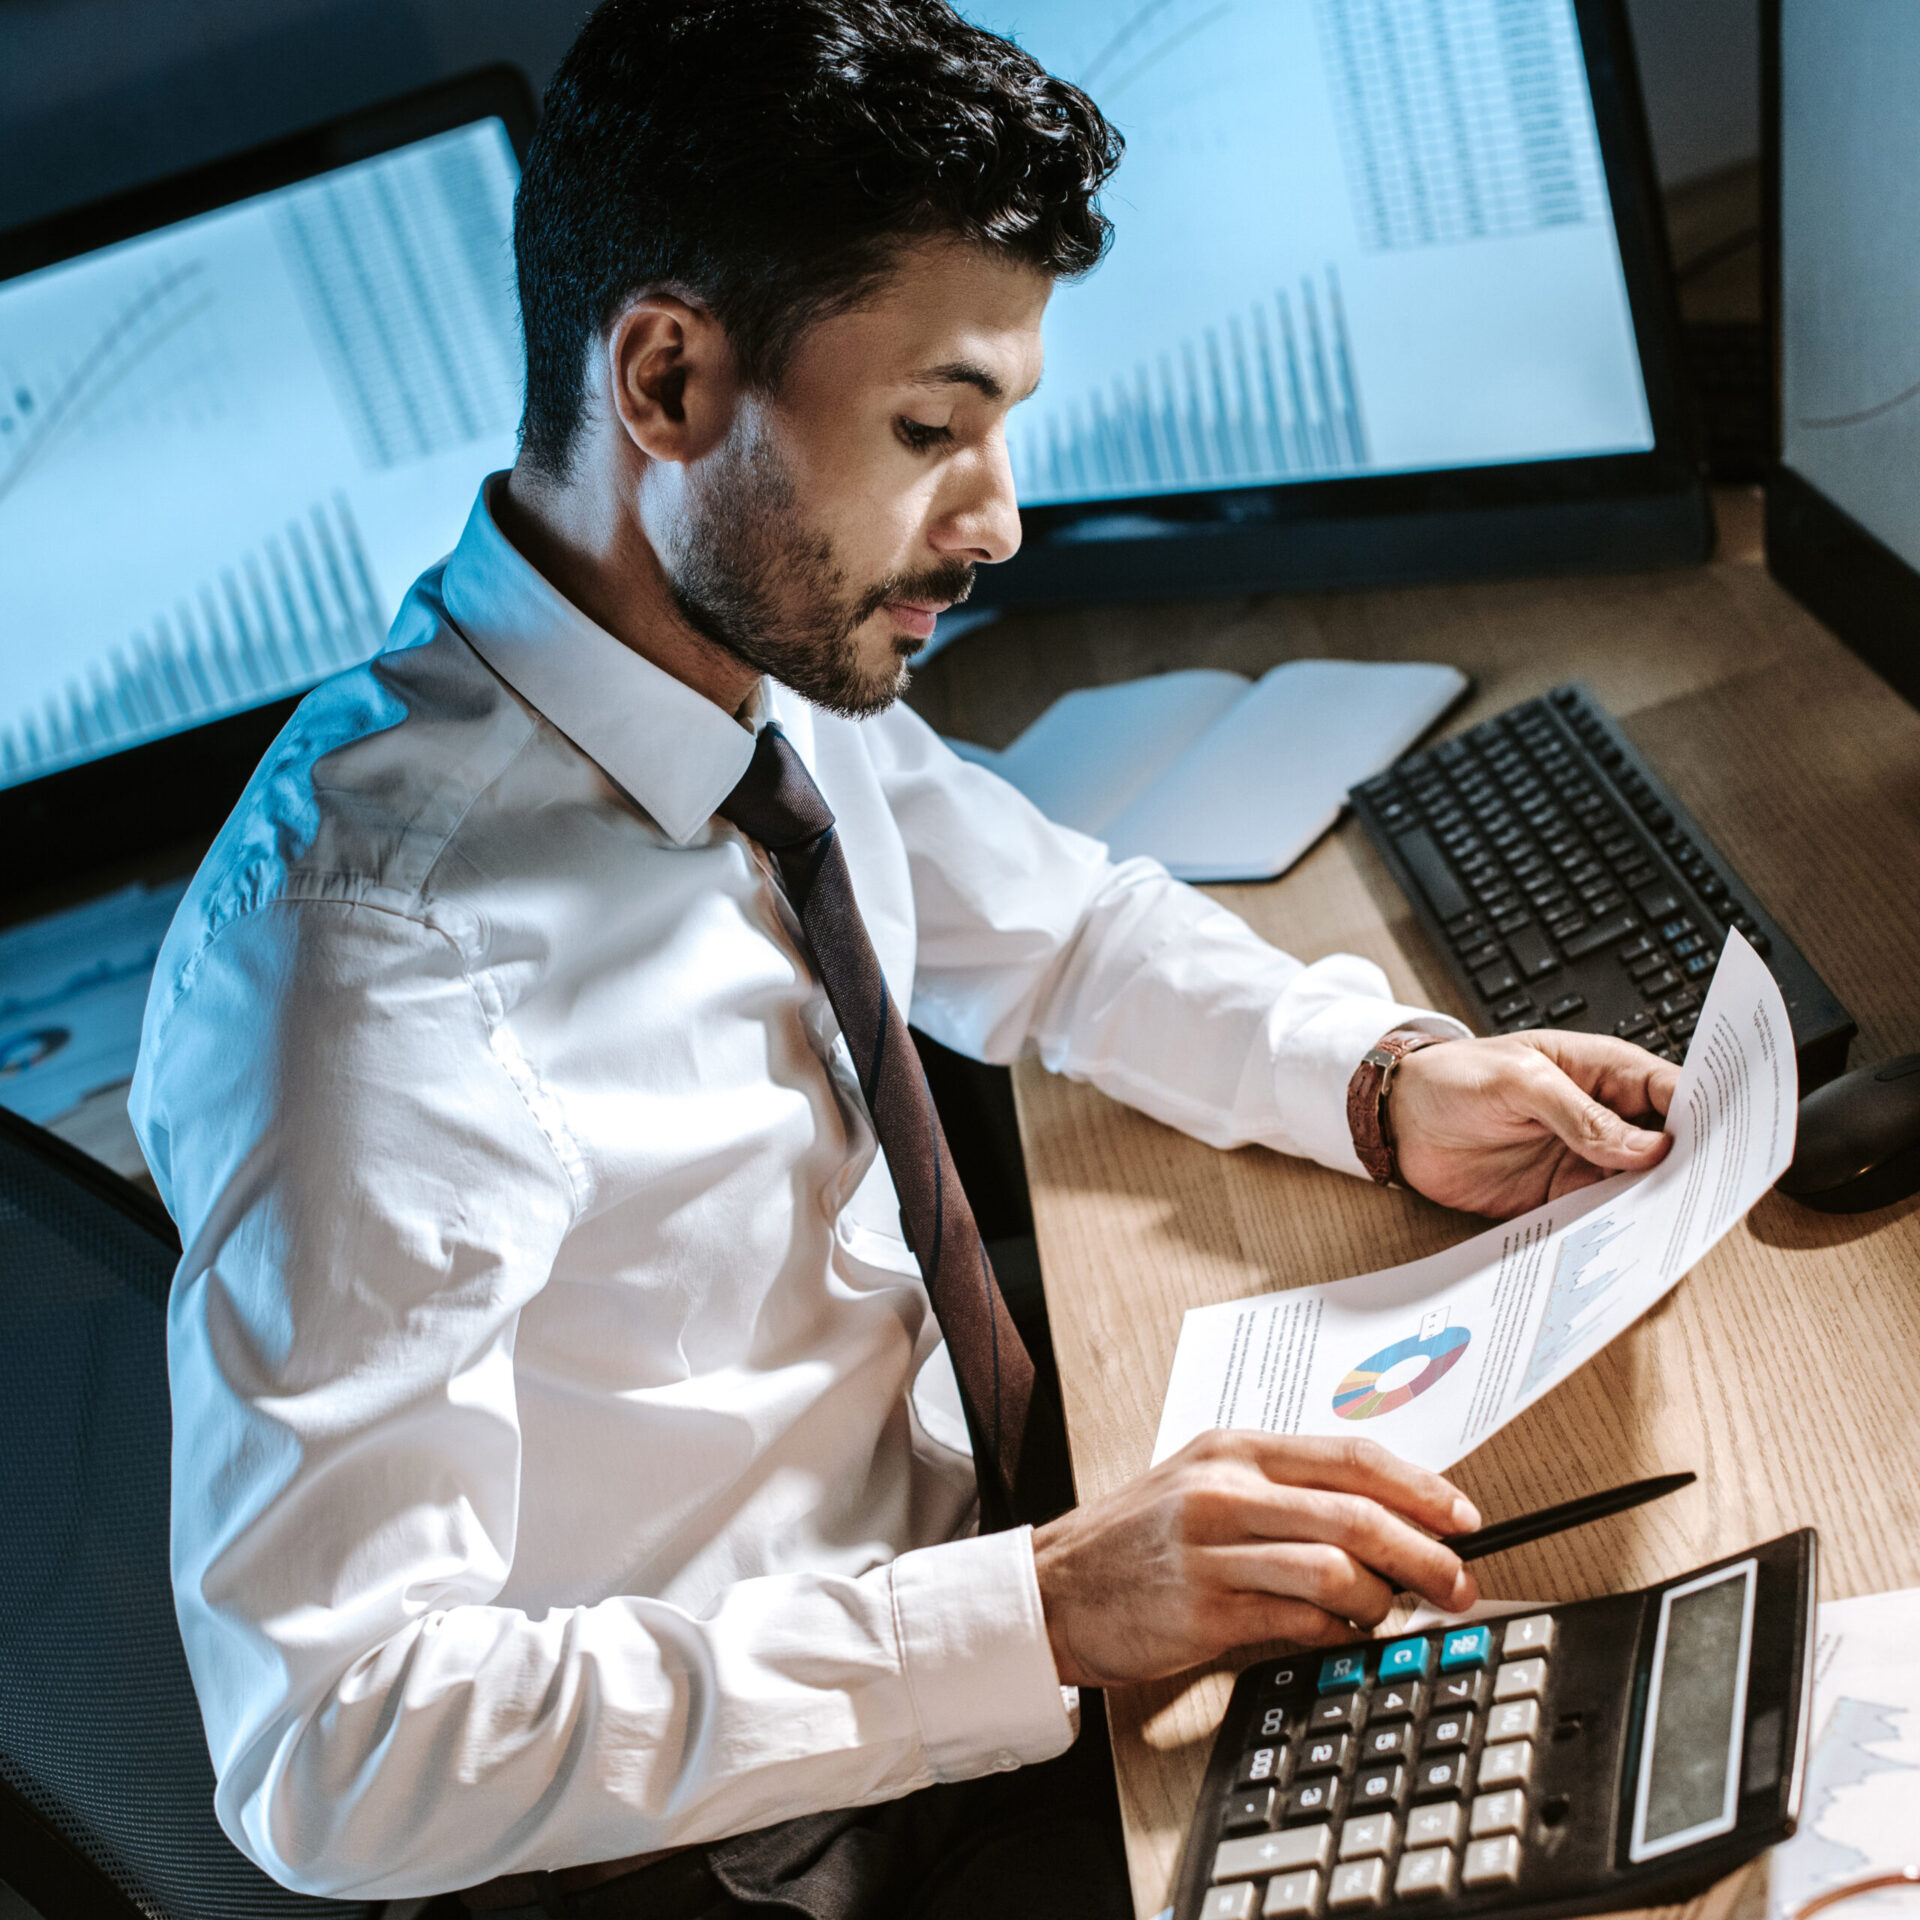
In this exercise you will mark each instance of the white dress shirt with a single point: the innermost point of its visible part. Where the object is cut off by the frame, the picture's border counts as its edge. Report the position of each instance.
(565, 1461)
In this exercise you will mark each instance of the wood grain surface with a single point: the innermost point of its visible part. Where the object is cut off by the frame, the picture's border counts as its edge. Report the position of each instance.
(1782, 1369)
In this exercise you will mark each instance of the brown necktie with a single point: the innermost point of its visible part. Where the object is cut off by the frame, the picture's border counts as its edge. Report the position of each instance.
(777, 804)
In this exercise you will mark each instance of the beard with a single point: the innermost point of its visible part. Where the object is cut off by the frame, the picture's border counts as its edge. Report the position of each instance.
(757, 581)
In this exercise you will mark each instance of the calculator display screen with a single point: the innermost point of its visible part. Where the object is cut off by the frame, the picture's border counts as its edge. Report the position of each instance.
(1689, 1782)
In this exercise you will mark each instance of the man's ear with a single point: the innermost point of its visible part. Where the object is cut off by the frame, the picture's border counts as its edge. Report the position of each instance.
(673, 377)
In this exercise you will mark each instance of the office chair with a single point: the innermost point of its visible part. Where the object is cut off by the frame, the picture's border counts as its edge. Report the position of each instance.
(106, 1790)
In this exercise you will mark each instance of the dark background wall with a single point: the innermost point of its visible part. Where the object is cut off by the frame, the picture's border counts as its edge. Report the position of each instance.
(99, 94)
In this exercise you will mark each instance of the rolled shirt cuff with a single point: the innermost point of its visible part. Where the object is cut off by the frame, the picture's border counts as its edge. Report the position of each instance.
(979, 1667)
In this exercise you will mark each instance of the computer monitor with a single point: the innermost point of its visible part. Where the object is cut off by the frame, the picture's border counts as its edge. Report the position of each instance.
(1388, 299)
(240, 411)
(1843, 505)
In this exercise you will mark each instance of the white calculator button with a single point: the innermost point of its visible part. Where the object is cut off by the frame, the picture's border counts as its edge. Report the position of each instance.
(1499, 1813)
(1371, 1834)
(1491, 1863)
(1520, 1677)
(1534, 1634)
(1430, 1871)
(1262, 1853)
(1363, 1883)
(1517, 1720)
(1291, 1894)
(1506, 1766)
(1438, 1826)
(1230, 1903)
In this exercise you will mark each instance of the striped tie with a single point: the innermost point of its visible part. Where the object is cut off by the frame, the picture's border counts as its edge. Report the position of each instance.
(777, 804)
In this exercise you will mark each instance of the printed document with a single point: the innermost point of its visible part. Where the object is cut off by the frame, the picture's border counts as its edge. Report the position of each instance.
(1431, 1358)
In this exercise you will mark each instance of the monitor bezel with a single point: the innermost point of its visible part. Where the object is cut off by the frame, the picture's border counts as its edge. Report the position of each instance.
(1584, 512)
(1847, 578)
(181, 786)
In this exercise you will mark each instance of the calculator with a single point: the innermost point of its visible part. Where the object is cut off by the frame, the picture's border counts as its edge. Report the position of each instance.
(1620, 1752)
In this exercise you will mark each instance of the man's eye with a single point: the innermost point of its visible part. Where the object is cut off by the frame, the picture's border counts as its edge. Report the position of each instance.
(920, 437)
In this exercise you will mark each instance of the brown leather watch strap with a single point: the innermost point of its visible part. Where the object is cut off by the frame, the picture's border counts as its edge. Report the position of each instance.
(1367, 1092)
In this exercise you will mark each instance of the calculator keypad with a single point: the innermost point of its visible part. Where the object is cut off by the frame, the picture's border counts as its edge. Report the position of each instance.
(1404, 1779)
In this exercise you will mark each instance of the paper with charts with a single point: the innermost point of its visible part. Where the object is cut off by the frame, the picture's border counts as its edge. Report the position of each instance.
(1863, 1768)
(1431, 1358)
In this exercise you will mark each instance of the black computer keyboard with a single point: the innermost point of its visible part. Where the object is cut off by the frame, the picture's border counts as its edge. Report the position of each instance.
(1565, 886)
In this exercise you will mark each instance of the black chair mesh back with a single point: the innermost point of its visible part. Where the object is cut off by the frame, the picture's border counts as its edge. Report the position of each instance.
(100, 1735)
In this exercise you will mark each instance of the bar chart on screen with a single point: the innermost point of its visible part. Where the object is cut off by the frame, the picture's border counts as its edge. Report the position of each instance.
(301, 606)
(1271, 391)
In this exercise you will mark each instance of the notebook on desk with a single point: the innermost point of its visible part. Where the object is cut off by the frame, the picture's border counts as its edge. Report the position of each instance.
(1216, 776)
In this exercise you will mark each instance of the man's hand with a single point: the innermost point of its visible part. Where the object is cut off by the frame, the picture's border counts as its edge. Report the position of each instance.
(1242, 1538)
(1498, 1126)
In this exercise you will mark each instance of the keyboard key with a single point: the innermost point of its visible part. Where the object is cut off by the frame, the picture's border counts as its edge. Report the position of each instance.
(1658, 901)
(1459, 923)
(1603, 933)
(1251, 1811)
(1320, 1798)
(1394, 1741)
(1511, 922)
(1361, 1883)
(1284, 1676)
(1531, 953)
(1460, 1690)
(1483, 955)
(1516, 1720)
(1327, 1753)
(1261, 1766)
(1499, 1813)
(1661, 980)
(1639, 874)
(1336, 1713)
(1273, 1853)
(1675, 1004)
(1425, 1874)
(1519, 1678)
(1466, 1647)
(1531, 1633)
(1506, 1766)
(1635, 950)
(1567, 1005)
(1700, 965)
(1380, 1787)
(1230, 1903)
(1396, 1703)
(1430, 868)
(1272, 1724)
(1372, 1833)
(1291, 1896)
(1491, 1863)
(1513, 1009)
(1440, 1775)
(1692, 944)
(1449, 1730)
(1339, 1671)
(1682, 1029)
(1439, 1825)
(1650, 962)
(1634, 1025)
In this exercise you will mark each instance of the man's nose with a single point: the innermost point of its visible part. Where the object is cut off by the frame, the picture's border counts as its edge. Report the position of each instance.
(983, 524)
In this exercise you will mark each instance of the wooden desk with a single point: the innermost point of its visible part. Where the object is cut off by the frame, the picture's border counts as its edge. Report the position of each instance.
(1786, 1368)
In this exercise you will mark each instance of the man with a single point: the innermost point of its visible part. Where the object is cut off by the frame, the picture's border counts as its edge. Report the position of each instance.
(573, 1496)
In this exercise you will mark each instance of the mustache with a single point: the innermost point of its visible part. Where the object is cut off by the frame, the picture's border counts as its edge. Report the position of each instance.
(951, 583)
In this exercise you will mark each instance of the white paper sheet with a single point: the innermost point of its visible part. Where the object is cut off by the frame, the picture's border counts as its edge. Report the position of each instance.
(1858, 1807)
(1431, 1358)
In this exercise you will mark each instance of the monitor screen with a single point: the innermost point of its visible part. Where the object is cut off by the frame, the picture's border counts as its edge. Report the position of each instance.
(1849, 262)
(228, 446)
(1353, 237)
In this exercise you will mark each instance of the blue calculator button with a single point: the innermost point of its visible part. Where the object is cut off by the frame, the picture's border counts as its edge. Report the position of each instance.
(1406, 1659)
(1466, 1647)
(1340, 1670)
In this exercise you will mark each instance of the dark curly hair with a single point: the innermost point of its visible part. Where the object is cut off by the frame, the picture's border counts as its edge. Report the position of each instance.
(767, 157)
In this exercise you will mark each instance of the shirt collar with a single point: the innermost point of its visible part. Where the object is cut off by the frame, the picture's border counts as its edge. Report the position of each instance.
(670, 748)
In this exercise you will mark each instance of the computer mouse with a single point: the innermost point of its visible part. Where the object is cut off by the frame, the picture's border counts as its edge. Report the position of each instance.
(1859, 1141)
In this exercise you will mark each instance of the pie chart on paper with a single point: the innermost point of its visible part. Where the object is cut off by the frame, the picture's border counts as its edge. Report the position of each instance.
(1399, 1373)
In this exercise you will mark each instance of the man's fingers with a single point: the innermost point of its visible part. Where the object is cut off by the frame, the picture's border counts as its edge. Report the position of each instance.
(1617, 1073)
(1590, 1127)
(1365, 1467)
(1324, 1577)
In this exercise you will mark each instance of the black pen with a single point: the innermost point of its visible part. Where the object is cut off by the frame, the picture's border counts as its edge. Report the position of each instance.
(1570, 1513)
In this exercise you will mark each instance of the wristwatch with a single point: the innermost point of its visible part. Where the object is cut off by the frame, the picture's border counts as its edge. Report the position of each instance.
(1367, 1094)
